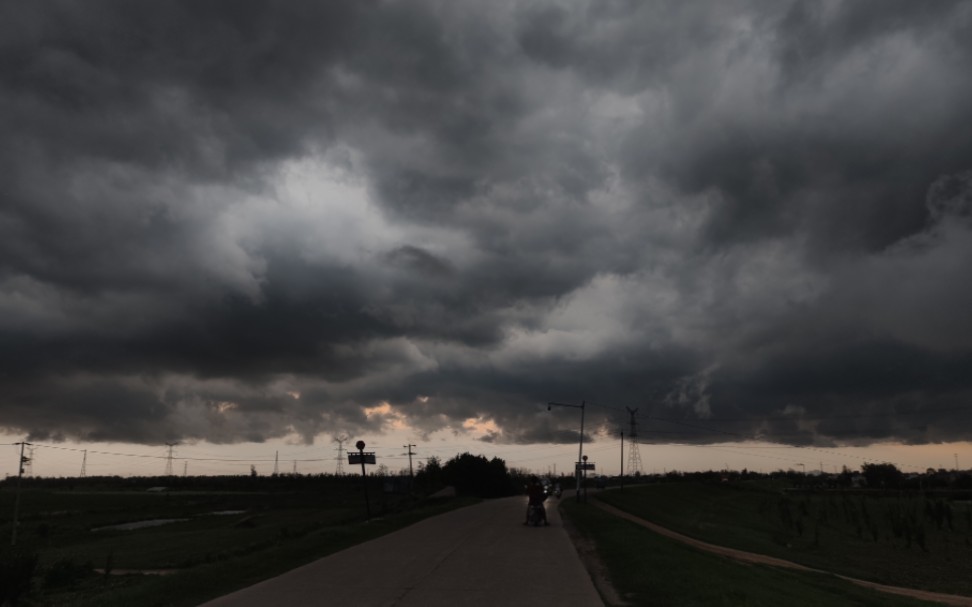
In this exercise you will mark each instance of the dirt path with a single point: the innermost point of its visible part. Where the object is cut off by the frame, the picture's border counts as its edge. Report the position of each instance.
(751, 557)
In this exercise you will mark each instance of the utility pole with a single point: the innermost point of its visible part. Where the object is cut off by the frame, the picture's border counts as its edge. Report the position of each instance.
(185, 469)
(295, 468)
(168, 460)
(276, 463)
(84, 464)
(411, 476)
(20, 473)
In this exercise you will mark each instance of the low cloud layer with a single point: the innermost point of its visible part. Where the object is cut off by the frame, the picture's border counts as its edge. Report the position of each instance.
(242, 221)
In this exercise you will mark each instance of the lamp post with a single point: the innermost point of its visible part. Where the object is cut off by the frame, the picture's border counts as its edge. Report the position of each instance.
(580, 448)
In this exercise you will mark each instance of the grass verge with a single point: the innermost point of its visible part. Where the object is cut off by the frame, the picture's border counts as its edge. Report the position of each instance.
(647, 569)
(204, 581)
(897, 539)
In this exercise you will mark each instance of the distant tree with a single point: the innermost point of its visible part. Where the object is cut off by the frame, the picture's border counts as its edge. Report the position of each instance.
(478, 476)
(882, 476)
(964, 481)
(428, 479)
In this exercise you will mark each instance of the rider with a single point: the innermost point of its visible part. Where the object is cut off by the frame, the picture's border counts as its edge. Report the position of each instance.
(537, 495)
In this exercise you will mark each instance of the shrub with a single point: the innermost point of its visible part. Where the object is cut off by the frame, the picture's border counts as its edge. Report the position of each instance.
(66, 572)
(17, 569)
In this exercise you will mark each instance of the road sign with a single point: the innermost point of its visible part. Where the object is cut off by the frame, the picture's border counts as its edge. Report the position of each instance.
(361, 458)
(585, 466)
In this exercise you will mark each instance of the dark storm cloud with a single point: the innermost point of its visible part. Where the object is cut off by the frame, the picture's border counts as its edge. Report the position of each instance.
(239, 222)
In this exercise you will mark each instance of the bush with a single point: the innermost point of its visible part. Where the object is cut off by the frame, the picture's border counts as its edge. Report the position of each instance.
(66, 572)
(17, 569)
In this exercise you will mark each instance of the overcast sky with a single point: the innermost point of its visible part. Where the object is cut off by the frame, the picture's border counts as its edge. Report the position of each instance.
(240, 221)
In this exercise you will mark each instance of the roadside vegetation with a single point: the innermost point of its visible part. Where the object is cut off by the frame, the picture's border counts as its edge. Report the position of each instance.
(648, 569)
(176, 541)
(904, 538)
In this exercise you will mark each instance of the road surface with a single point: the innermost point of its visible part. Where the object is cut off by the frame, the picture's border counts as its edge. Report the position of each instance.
(481, 555)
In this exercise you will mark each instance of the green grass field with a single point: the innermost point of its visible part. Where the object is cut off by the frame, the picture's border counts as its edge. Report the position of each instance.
(227, 540)
(903, 540)
(648, 569)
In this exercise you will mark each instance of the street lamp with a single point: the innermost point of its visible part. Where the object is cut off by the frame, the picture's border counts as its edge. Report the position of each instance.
(580, 448)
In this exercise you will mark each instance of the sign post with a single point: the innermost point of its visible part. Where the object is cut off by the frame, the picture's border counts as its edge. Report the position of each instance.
(362, 458)
(582, 467)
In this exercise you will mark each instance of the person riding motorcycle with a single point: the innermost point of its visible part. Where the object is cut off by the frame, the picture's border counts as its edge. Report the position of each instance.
(536, 497)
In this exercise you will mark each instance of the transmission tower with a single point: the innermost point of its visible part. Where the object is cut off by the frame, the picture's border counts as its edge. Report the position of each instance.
(168, 460)
(634, 456)
(276, 463)
(340, 440)
(29, 462)
(84, 464)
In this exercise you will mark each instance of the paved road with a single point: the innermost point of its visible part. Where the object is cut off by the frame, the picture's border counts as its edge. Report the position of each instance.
(480, 555)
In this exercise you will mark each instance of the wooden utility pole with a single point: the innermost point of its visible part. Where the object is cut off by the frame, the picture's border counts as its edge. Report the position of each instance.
(411, 475)
(20, 474)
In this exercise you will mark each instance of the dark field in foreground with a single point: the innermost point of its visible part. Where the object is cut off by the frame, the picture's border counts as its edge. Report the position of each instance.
(209, 535)
(903, 539)
(648, 569)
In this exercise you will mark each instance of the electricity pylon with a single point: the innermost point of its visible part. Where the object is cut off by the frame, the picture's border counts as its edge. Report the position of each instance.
(340, 440)
(29, 462)
(168, 460)
(634, 456)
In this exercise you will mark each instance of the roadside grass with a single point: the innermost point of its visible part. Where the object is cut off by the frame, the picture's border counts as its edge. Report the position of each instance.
(903, 540)
(208, 581)
(648, 569)
(213, 553)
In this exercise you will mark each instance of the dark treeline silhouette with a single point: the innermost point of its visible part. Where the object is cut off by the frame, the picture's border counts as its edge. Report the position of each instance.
(471, 475)
(871, 478)
(241, 482)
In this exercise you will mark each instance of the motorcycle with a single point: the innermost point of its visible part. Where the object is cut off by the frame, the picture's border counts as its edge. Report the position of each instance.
(535, 516)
